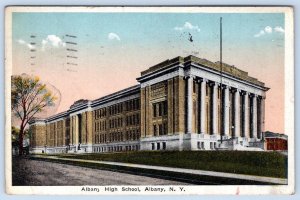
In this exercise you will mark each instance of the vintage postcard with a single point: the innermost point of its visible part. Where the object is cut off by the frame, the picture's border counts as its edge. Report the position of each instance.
(149, 100)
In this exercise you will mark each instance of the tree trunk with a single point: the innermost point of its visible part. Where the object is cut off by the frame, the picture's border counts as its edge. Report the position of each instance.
(21, 134)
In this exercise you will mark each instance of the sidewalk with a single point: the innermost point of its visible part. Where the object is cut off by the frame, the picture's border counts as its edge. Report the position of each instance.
(178, 170)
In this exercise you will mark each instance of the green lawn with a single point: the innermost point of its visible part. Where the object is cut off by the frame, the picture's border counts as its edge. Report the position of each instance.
(271, 164)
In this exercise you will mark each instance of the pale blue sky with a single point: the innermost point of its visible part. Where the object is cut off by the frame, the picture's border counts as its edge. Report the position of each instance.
(152, 29)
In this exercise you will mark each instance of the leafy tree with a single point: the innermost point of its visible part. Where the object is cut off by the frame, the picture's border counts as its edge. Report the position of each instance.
(14, 133)
(28, 97)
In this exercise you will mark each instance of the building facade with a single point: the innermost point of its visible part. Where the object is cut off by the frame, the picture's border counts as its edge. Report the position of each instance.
(180, 104)
(275, 141)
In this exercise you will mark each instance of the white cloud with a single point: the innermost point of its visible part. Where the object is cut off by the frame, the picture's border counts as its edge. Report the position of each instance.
(279, 29)
(20, 41)
(30, 46)
(52, 41)
(187, 26)
(269, 30)
(113, 36)
(23, 42)
(262, 32)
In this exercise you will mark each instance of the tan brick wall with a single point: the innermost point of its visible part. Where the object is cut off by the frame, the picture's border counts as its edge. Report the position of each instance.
(181, 101)
(208, 108)
(171, 106)
(143, 113)
(89, 122)
(38, 135)
(111, 124)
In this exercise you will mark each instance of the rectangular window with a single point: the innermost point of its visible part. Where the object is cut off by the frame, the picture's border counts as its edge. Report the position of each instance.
(153, 146)
(164, 145)
(211, 145)
(133, 134)
(165, 107)
(202, 145)
(138, 104)
(130, 105)
(160, 109)
(135, 104)
(154, 110)
(158, 146)
(137, 118)
(160, 129)
(165, 128)
(198, 145)
(154, 130)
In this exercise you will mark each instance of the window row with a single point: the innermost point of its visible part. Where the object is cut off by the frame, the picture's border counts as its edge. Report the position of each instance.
(159, 146)
(130, 105)
(116, 123)
(133, 104)
(160, 129)
(100, 126)
(212, 145)
(117, 148)
(160, 109)
(133, 119)
(100, 113)
(118, 136)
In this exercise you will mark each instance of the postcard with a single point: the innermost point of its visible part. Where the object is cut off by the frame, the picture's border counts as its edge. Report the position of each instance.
(149, 100)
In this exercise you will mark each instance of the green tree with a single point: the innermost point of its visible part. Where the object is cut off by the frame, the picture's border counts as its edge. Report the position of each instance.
(14, 133)
(28, 97)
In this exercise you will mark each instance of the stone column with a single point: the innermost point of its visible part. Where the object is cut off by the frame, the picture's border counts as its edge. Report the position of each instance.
(246, 115)
(90, 124)
(55, 135)
(215, 108)
(189, 103)
(262, 115)
(226, 110)
(64, 132)
(71, 130)
(202, 106)
(76, 129)
(237, 113)
(254, 118)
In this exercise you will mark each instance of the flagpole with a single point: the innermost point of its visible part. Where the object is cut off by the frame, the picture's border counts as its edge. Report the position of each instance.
(221, 68)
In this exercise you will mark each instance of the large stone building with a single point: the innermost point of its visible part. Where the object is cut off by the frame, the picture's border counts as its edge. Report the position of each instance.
(180, 104)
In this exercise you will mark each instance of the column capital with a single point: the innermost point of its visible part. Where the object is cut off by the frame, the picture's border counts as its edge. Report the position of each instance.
(234, 89)
(253, 95)
(245, 93)
(212, 83)
(203, 80)
(225, 86)
(261, 97)
(189, 76)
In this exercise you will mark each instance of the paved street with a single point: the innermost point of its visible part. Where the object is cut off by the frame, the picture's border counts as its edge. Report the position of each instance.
(41, 173)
